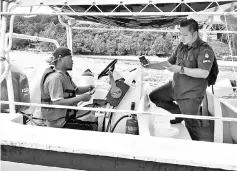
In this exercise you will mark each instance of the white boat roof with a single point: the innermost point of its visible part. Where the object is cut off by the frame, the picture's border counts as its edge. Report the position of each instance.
(153, 9)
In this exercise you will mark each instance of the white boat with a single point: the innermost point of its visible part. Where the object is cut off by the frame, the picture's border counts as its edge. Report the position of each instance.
(159, 145)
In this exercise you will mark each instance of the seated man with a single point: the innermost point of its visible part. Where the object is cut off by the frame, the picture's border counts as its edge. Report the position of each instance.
(57, 88)
(20, 88)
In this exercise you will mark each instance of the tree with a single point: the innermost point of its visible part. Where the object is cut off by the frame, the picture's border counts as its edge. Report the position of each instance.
(99, 41)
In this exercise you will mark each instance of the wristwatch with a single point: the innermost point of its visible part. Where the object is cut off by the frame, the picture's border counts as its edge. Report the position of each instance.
(181, 70)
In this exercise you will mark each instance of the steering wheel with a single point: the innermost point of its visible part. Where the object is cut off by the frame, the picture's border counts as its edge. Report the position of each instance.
(108, 68)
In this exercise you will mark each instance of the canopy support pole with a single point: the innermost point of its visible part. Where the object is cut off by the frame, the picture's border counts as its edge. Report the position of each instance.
(69, 32)
(204, 33)
(4, 49)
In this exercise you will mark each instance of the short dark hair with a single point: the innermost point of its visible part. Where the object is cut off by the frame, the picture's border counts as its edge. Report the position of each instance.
(191, 24)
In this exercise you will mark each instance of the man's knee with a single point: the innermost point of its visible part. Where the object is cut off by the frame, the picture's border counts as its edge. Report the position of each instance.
(190, 106)
(159, 94)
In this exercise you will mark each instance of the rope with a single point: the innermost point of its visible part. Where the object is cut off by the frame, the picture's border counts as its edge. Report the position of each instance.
(31, 119)
(128, 111)
(5, 74)
(119, 13)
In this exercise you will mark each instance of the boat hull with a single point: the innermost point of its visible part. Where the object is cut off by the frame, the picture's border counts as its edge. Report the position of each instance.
(58, 160)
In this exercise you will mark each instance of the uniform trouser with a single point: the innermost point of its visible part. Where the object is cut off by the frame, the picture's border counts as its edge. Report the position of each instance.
(163, 97)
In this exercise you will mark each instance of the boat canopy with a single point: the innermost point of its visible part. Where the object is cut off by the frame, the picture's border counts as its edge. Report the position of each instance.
(129, 13)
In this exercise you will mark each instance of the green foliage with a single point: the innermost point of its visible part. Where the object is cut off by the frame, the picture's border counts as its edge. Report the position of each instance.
(97, 42)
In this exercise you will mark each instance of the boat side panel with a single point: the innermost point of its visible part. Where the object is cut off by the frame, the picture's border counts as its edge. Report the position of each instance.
(86, 162)
(228, 108)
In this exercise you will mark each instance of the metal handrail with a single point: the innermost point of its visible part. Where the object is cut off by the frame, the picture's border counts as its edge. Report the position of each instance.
(121, 13)
(125, 111)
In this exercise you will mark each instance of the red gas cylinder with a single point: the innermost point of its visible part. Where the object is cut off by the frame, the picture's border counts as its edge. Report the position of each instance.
(132, 123)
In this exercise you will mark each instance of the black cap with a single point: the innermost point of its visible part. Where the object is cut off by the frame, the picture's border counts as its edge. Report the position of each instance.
(59, 53)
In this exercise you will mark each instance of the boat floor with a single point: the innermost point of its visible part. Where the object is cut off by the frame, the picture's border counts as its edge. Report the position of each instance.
(206, 130)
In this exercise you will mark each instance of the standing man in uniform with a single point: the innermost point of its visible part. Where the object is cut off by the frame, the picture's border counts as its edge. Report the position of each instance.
(191, 64)
(58, 88)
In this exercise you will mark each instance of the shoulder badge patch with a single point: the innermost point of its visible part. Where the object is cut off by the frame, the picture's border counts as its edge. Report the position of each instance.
(206, 61)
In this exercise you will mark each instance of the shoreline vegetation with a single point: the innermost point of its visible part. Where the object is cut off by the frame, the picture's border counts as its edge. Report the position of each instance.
(104, 42)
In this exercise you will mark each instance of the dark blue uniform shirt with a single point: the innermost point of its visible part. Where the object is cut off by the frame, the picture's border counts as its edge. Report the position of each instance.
(199, 55)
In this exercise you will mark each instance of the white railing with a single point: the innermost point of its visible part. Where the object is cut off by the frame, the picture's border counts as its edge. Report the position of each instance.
(35, 38)
(150, 30)
(124, 111)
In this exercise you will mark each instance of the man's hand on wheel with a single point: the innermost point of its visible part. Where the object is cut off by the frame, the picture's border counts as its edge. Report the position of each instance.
(91, 87)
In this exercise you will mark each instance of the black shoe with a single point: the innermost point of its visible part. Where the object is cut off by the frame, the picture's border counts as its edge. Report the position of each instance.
(176, 120)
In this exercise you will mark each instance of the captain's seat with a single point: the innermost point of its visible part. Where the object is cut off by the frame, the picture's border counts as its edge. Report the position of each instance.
(35, 96)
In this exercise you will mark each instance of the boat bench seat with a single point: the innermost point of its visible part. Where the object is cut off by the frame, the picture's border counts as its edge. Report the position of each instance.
(216, 105)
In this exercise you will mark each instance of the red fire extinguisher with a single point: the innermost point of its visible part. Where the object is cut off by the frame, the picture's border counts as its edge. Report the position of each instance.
(132, 123)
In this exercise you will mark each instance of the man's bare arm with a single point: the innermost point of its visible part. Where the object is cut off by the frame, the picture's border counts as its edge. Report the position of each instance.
(159, 65)
(74, 100)
(82, 90)
(196, 72)
(192, 72)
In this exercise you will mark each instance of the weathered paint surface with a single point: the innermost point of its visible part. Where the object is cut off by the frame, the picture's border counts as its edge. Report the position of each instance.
(12, 166)
(86, 162)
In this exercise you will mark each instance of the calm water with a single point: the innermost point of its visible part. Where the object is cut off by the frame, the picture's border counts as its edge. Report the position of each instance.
(31, 62)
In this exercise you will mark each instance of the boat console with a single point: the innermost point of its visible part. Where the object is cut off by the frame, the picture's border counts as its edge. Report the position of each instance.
(122, 93)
